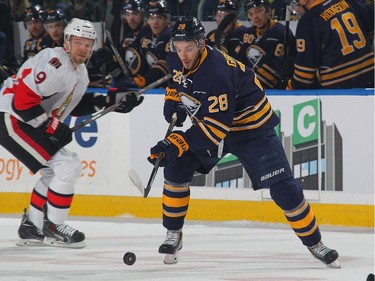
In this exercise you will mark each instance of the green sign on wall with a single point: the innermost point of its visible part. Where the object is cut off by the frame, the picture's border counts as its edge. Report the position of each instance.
(278, 127)
(306, 121)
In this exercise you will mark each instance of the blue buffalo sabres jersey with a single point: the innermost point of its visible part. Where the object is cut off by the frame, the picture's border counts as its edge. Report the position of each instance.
(144, 55)
(130, 50)
(332, 48)
(221, 96)
(154, 51)
(264, 53)
(33, 45)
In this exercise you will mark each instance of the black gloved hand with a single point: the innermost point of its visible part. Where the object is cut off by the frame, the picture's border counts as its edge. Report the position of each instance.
(127, 99)
(106, 57)
(58, 132)
(101, 56)
(170, 107)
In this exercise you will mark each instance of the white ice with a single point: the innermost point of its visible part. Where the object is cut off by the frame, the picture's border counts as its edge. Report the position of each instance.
(230, 251)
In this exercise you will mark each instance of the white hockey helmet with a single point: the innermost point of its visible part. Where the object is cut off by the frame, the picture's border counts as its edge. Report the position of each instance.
(80, 28)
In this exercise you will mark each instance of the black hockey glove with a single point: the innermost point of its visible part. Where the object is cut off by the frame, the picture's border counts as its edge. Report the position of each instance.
(127, 99)
(170, 107)
(105, 56)
(169, 149)
(101, 56)
(58, 132)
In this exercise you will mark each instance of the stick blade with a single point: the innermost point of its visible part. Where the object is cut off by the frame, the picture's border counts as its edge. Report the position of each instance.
(136, 180)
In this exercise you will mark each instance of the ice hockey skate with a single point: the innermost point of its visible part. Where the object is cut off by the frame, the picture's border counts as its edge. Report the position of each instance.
(61, 235)
(171, 246)
(29, 233)
(326, 255)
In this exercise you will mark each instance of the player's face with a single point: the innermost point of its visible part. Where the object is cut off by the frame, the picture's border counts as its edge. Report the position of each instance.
(259, 17)
(300, 6)
(55, 30)
(80, 49)
(157, 24)
(134, 19)
(304, 3)
(188, 52)
(299, 10)
(35, 27)
(220, 15)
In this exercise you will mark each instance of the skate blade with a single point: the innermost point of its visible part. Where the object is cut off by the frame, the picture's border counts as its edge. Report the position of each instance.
(334, 264)
(171, 258)
(29, 243)
(55, 243)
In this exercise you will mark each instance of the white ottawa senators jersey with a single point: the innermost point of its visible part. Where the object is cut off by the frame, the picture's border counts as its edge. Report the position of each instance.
(49, 80)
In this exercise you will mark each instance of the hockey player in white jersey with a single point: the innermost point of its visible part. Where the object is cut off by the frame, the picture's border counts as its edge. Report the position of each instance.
(33, 105)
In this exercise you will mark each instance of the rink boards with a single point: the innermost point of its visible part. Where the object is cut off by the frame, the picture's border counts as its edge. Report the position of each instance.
(116, 143)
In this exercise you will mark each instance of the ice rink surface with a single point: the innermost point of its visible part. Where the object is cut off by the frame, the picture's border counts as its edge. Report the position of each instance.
(230, 251)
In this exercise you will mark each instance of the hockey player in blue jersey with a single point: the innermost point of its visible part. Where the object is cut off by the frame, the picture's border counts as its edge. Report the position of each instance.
(264, 45)
(230, 110)
(228, 34)
(154, 44)
(333, 47)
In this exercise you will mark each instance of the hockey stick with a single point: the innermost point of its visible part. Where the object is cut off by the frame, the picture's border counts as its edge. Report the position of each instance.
(136, 180)
(157, 163)
(103, 68)
(288, 61)
(220, 29)
(113, 107)
(117, 54)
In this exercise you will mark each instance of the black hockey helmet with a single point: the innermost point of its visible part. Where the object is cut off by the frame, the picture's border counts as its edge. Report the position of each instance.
(33, 13)
(55, 16)
(158, 7)
(187, 29)
(256, 3)
(228, 6)
(129, 6)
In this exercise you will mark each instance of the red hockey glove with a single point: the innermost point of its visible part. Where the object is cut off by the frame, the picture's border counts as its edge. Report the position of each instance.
(58, 132)
(169, 149)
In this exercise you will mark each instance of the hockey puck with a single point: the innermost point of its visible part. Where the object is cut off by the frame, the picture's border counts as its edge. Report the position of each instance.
(129, 258)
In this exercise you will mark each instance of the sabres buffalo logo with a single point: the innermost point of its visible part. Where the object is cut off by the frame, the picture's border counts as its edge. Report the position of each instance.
(254, 54)
(132, 60)
(191, 104)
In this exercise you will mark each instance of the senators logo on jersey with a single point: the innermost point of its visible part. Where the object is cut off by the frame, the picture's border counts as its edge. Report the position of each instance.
(55, 62)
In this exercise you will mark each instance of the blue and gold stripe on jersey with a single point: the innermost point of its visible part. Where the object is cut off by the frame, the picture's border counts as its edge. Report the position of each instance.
(347, 71)
(214, 130)
(253, 116)
(268, 76)
(304, 75)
